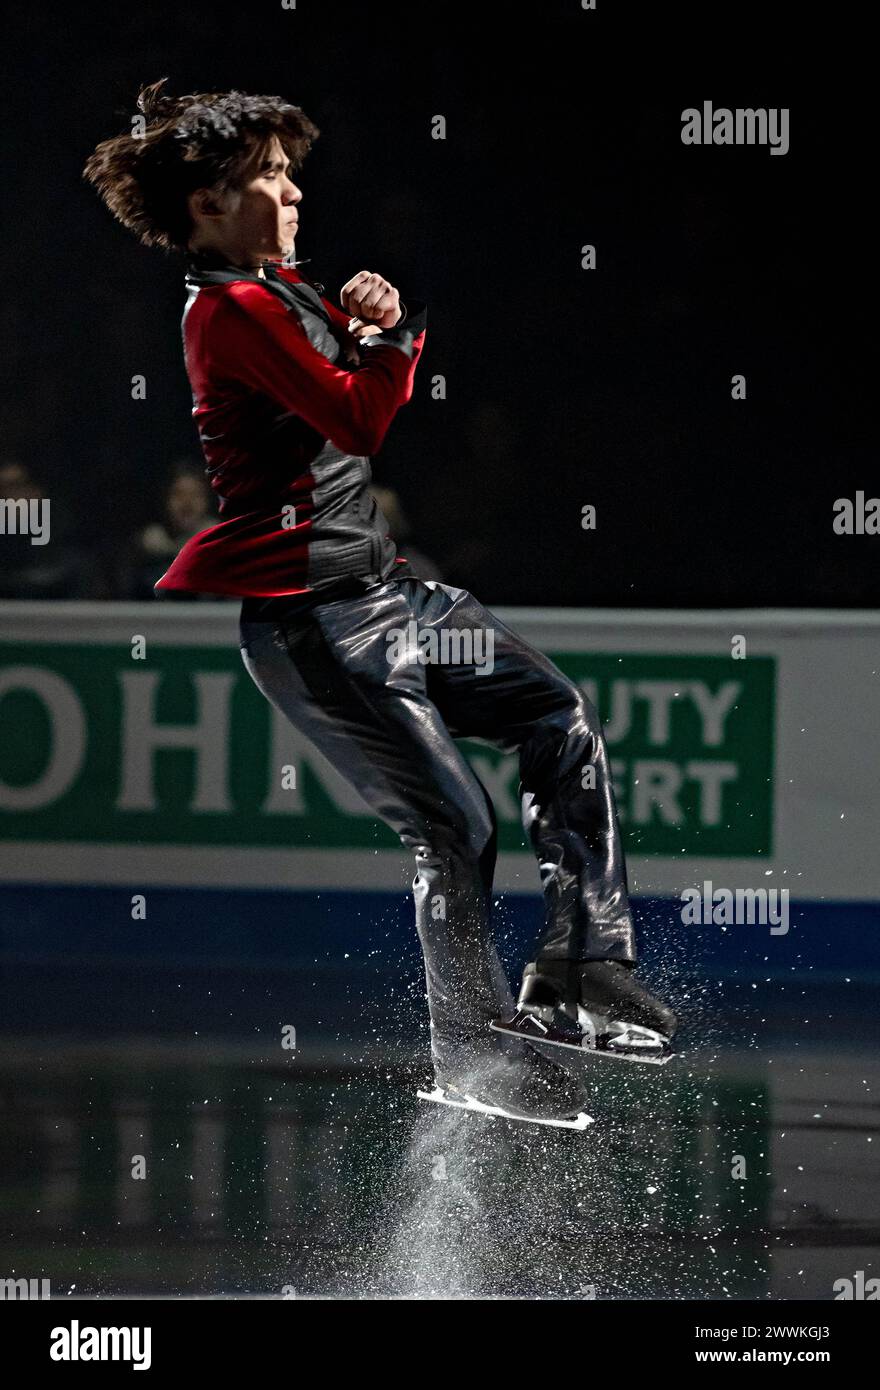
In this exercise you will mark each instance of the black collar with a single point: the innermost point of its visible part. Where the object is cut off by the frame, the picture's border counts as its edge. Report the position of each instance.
(208, 268)
(213, 268)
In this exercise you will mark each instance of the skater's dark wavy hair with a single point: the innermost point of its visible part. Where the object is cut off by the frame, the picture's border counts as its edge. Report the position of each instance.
(204, 140)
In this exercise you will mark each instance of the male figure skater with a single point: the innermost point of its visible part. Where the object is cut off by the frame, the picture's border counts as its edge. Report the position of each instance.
(292, 394)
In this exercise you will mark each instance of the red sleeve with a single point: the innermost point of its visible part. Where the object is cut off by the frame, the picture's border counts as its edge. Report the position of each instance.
(259, 342)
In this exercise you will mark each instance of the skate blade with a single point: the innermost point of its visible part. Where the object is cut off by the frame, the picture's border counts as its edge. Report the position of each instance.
(535, 1030)
(441, 1097)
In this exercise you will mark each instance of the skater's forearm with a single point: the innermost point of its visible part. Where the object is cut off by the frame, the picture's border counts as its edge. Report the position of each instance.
(259, 343)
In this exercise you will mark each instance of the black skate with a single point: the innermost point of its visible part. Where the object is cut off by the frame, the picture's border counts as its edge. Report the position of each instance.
(595, 1007)
(509, 1080)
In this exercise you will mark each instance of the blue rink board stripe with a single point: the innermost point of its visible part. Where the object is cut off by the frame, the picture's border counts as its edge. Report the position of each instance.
(283, 927)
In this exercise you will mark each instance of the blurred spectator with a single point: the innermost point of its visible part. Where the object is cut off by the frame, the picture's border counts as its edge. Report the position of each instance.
(399, 526)
(55, 568)
(188, 508)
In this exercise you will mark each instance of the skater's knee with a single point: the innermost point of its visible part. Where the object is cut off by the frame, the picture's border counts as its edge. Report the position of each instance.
(570, 711)
(579, 710)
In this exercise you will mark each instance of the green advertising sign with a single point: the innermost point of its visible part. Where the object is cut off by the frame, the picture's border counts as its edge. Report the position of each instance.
(180, 748)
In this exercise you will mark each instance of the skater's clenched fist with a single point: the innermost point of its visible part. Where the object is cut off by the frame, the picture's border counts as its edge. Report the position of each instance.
(370, 298)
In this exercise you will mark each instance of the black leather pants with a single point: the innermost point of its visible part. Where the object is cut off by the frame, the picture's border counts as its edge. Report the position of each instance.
(387, 722)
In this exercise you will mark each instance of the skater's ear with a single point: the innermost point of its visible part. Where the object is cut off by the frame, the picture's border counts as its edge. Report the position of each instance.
(207, 203)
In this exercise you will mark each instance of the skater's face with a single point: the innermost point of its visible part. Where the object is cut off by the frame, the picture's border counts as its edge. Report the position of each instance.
(258, 221)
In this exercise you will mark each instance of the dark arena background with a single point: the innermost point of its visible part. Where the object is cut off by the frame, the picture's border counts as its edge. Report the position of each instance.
(640, 434)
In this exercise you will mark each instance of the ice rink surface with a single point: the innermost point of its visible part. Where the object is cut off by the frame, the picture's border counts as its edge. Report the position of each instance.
(738, 1172)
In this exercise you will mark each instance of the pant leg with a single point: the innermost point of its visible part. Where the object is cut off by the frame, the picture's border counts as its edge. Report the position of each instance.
(525, 703)
(329, 673)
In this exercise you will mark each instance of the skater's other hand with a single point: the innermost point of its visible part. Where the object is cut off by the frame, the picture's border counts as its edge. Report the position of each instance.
(372, 299)
(358, 329)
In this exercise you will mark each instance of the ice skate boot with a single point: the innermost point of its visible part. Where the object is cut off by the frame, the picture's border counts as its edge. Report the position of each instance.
(506, 1078)
(596, 1007)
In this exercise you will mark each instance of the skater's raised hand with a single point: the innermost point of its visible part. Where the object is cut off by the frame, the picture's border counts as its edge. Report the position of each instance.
(372, 299)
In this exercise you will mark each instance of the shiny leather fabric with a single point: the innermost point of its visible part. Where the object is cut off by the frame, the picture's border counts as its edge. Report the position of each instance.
(387, 723)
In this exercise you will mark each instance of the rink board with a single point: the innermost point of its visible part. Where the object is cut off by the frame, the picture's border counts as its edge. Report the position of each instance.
(153, 767)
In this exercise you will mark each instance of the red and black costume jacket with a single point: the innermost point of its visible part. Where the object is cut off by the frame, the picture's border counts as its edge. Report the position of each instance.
(289, 406)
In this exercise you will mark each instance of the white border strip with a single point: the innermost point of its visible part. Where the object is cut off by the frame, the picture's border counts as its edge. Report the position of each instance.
(210, 625)
(184, 866)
